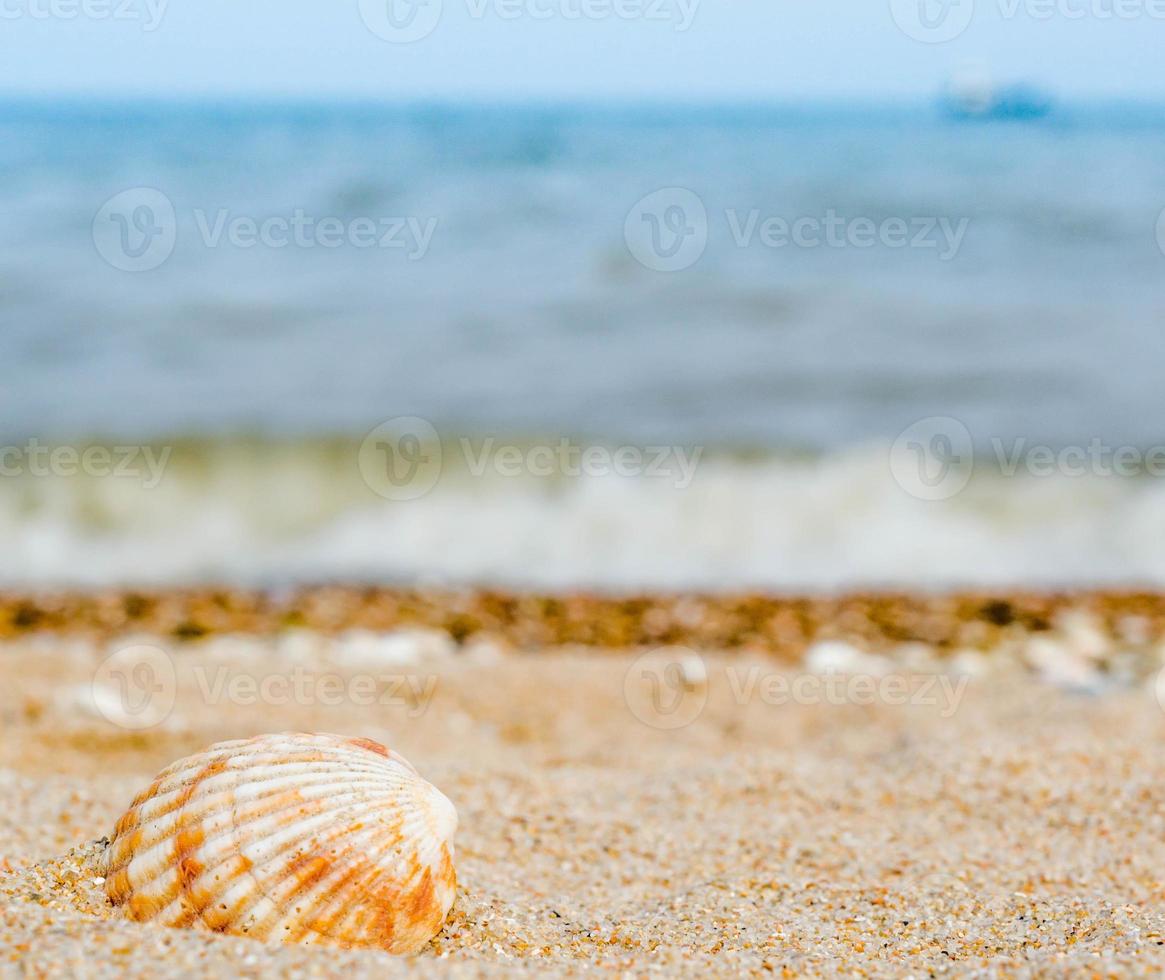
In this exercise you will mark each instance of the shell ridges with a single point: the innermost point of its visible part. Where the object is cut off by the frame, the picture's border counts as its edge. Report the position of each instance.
(290, 838)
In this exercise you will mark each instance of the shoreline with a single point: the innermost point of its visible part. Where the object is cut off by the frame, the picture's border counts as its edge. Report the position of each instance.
(784, 625)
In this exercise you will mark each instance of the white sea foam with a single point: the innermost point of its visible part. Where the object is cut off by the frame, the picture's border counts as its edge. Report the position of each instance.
(300, 512)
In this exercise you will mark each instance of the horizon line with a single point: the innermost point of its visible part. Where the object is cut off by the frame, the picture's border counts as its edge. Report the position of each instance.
(261, 99)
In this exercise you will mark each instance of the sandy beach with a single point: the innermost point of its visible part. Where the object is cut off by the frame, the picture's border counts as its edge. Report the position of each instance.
(501, 511)
(886, 810)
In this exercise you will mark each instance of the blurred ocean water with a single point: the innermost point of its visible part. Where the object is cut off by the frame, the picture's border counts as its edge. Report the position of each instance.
(509, 305)
(527, 312)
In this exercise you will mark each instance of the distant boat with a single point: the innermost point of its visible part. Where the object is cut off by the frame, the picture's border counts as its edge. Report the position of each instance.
(974, 96)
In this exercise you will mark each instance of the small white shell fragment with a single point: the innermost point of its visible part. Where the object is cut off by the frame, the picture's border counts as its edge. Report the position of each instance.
(290, 838)
(1084, 633)
(835, 657)
(485, 650)
(234, 648)
(693, 671)
(969, 663)
(1061, 666)
(300, 646)
(107, 704)
(398, 648)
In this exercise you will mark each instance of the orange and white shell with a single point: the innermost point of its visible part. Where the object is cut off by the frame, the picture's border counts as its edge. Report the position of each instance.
(290, 838)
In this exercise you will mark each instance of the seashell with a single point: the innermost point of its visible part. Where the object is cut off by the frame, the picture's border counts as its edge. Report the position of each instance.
(290, 838)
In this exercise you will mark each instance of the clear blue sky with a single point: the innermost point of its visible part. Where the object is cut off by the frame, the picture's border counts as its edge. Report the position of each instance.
(762, 49)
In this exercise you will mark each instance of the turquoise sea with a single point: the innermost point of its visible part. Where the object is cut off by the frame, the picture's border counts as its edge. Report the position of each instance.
(785, 288)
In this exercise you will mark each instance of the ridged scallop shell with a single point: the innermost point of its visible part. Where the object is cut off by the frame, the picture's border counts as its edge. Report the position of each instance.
(292, 838)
